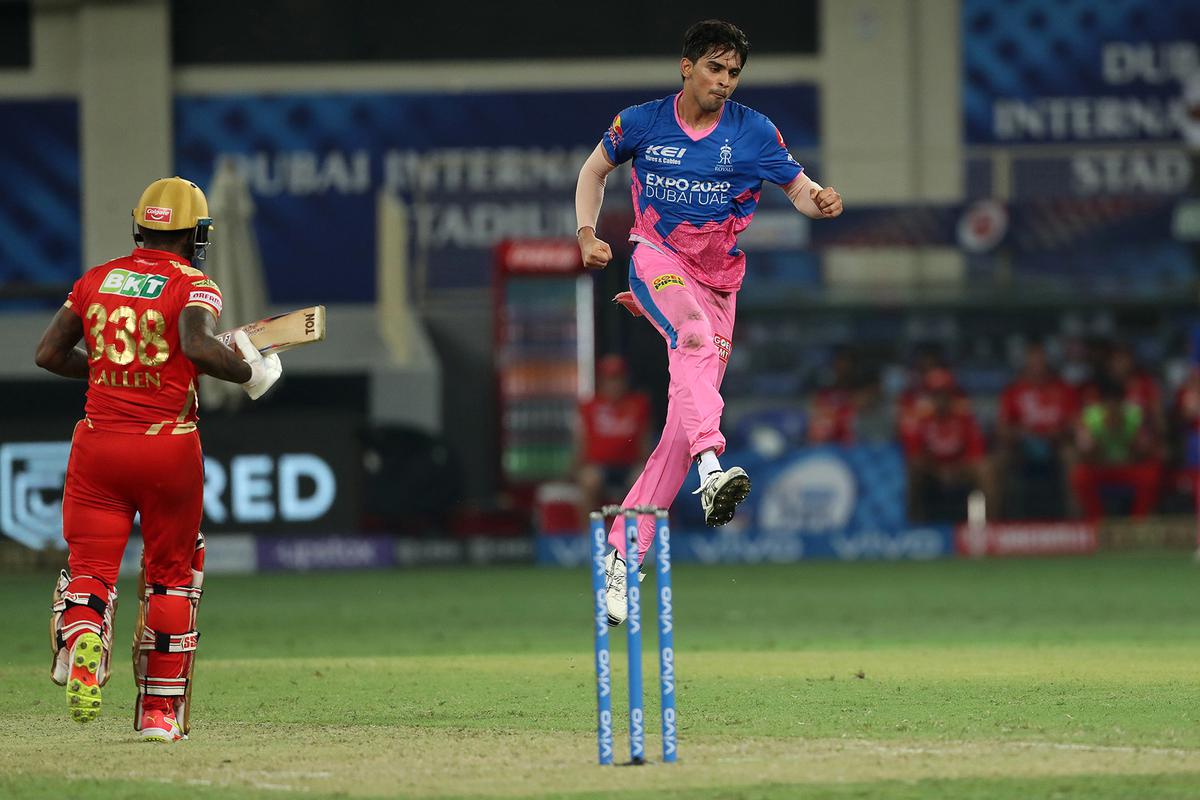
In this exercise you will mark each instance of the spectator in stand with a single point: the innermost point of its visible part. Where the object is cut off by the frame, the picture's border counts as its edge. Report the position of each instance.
(833, 409)
(1185, 430)
(946, 454)
(1117, 448)
(915, 402)
(614, 428)
(1187, 402)
(1034, 434)
(1140, 387)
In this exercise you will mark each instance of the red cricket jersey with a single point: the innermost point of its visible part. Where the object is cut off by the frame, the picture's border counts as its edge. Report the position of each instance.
(139, 379)
(613, 430)
(1187, 401)
(912, 407)
(949, 439)
(831, 417)
(1042, 409)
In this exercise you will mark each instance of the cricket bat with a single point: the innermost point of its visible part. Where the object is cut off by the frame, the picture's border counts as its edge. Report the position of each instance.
(282, 331)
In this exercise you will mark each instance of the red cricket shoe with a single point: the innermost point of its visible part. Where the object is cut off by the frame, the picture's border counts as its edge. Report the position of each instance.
(160, 726)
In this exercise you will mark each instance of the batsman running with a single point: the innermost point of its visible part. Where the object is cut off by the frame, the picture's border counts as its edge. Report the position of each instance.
(147, 323)
(699, 161)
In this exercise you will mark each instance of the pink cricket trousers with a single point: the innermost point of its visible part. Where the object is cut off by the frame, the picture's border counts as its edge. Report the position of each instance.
(697, 324)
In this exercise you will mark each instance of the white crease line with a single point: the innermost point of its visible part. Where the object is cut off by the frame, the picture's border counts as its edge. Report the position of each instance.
(1106, 748)
(964, 748)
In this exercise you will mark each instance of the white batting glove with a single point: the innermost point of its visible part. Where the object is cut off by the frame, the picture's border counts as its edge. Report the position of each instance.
(264, 370)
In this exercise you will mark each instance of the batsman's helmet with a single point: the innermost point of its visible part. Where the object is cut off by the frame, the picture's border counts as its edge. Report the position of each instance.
(174, 204)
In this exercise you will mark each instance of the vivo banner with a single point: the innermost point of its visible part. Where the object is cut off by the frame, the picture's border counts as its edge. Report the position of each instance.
(755, 547)
(845, 503)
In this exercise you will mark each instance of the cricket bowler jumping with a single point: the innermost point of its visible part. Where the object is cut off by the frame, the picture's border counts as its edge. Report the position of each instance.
(147, 322)
(699, 161)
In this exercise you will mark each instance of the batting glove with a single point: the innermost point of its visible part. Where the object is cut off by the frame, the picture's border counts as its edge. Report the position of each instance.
(264, 370)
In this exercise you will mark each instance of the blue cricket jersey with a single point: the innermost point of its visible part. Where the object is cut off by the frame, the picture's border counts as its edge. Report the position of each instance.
(695, 191)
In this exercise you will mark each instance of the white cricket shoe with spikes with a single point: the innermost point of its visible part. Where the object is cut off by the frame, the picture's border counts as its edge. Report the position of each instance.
(615, 571)
(720, 492)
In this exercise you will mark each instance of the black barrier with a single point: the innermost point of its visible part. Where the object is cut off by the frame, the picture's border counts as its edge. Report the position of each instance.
(294, 471)
(412, 481)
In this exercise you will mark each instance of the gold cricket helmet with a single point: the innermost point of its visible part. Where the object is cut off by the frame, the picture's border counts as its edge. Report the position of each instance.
(174, 204)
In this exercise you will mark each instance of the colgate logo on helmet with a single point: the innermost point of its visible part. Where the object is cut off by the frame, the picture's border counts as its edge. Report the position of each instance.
(156, 214)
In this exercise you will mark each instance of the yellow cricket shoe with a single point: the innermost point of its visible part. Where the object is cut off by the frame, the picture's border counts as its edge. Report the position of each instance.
(83, 690)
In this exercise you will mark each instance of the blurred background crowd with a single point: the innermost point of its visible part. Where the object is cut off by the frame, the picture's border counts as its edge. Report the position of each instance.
(1061, 427)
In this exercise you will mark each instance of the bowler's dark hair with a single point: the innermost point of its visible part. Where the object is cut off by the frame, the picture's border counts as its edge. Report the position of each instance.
(715, 37)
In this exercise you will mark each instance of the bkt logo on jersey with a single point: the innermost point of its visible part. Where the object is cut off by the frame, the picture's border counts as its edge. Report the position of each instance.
(31, 486)
(665, 154)
(133, 284)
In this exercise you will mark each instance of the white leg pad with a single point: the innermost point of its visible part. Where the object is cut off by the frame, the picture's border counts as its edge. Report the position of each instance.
(60, 600)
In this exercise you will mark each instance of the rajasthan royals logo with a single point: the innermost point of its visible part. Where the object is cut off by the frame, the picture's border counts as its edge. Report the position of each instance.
(725, 159)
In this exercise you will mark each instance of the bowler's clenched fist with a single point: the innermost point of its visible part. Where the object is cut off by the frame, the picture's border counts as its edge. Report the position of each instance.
(828, 201)
(596, 252)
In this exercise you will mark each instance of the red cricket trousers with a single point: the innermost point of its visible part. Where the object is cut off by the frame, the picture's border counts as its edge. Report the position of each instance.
(112, 476)
(1143, 478)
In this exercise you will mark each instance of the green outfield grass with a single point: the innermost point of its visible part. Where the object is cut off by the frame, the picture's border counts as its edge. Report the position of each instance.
(1041, 678)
